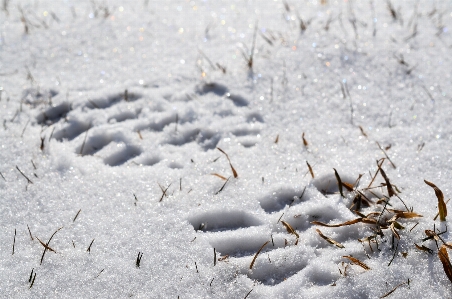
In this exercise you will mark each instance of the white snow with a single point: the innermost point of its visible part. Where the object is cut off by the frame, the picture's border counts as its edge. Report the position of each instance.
(113, 111)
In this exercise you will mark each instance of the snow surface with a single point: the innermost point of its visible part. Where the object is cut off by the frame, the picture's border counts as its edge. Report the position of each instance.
(320, 68)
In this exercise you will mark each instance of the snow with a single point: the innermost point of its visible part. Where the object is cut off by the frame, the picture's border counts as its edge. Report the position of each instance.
(114, 111)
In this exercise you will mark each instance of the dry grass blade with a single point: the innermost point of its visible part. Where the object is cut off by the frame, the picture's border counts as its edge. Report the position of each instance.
(387, 157)
(310, 169)
(76, 215)
(339, 182)
(164, 191)
(407, 215)
(394, 231)
(83, 144)
(29, 231)
(391, 191)
(441, 204)
(431, 235)
(348, 186)
(14, 242)
(437, 214)
(220, 176)
(230, 164)
(423, 248)
(28, 180)
(357, 262)
(350, 222)
(305, 142)
(290, 229)
(362, 131)
(89, 247)
(224, 185)
(369, 221)
(393, 290)
(444, 257)
(375, 175)
(48, 242)
(233, 170)
(329, 240)
(257, 253)
(45, 245)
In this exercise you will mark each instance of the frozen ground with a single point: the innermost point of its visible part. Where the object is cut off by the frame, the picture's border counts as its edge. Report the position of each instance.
(112, 112)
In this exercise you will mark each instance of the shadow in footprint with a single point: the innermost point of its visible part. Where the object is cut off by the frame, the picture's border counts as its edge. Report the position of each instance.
(37, 96)
(254, 116)
(220, 220)
(216, 88)
(327, 184)
(271, 274)
(158, 124)
(122, 156)
(245, 132)
(175, 165)
(277, 200)
(122, 116)
(147, 160)
(54, 114)
(242, 242)
(238, 100)
(73, 129)
(94, 144)
(109, 101)
(247, 141)
(207, 139)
